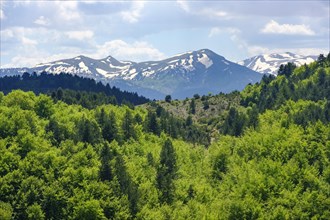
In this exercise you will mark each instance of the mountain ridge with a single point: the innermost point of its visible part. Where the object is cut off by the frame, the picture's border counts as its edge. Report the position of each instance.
(202, 71)
(270, 63)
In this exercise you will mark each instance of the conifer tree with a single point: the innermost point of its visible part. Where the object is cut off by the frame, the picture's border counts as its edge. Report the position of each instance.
(109, 128)
(127, 186)
(192, 107)
(152, 123)
(168, 98)
(105, 169)
(166, 173)
(128, 126)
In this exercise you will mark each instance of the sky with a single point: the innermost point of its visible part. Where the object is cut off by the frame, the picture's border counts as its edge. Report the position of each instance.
(34, 32)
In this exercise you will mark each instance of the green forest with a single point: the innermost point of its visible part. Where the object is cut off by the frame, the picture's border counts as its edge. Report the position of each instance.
(262, 153)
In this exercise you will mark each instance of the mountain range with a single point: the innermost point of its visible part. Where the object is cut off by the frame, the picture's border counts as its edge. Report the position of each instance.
(270, 63)
(183, 75)
(180, 76)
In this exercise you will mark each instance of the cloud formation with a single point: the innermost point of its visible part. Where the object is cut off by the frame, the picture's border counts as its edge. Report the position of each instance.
(133, 15)
(183, 5)
(273, 27)
(80, 35)
(35, 31)
(136, 51)
(216, 31)
(42, 21)
(68, 10)
(2, 13)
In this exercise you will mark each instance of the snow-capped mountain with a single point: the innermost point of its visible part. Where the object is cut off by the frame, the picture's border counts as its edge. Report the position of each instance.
(181, 76)
(108, 67)
(270, 63)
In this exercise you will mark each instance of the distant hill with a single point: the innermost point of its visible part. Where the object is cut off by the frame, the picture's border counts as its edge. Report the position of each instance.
(47, 83)
(270, 63)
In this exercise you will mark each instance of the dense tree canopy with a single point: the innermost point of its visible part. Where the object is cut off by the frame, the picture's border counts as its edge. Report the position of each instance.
(269, 160)
(70, 89)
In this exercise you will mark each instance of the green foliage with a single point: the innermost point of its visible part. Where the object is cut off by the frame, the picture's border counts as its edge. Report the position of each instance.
(128, 126)
(234, 123)
(220, 165)
(206, 105)
(70, 89)
(192, 107)
(88, 130)
(89, 210)
(106, 173)
(151, 123)
(159, 120)
(270, 161)
(108, 125)
(308, 82)
(44, 106)
(6, 211)
(34, 212)
(168, 98)
(166, 172)
(287, 69)
(196, 96)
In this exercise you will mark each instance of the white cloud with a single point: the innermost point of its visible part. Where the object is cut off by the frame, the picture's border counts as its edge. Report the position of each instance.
(214, 32)
(22, 61)
(310, 51)
(217, 31)
(80, 35)
(31, 54)
(133, 15)
(90, 2)
(212, 13)
(64, 11)
(137, 51)
(28, 42)
(257, 50)
(44, 35)
(33, 57)
(42, 21)
(2, 12)
(184, 5)
(21, 3)
(67, 10)
(6, 34)
(273, 27)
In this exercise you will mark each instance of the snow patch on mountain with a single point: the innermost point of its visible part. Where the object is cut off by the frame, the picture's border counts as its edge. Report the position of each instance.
(181, 76)
(83, 66)
(205, 60)
(270, 63)
(101, 71)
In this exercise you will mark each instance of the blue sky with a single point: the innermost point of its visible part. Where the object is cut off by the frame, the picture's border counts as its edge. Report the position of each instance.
(34, 32)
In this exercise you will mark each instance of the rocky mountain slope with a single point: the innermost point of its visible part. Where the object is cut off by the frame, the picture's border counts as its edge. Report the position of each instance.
(181, 76)
(270, 63)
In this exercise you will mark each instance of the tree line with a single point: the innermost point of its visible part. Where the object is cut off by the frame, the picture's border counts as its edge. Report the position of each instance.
(50, 83)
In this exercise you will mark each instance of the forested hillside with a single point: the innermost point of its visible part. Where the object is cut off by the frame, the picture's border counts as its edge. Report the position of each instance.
(75, 86)
(268, 159)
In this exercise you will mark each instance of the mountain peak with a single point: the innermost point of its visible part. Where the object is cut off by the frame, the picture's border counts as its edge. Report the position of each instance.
(270, 63)
(206, 51)
(80, 57)
(110, 59)
(201, 71)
